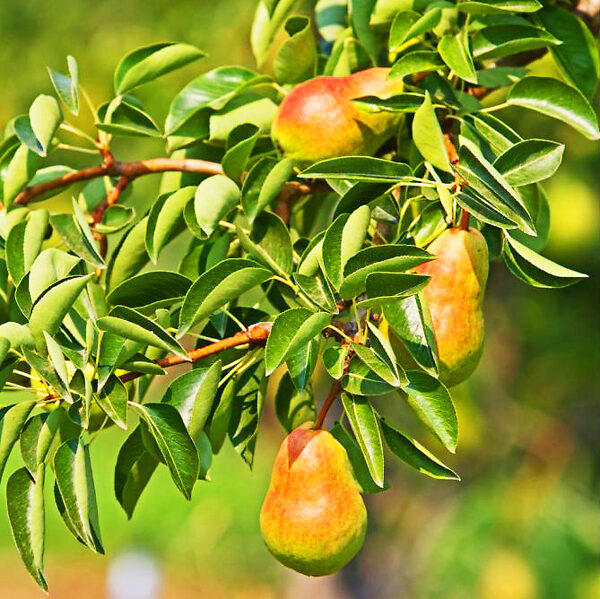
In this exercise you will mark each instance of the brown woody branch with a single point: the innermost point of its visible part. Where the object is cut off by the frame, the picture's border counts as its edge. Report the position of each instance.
(333, 394)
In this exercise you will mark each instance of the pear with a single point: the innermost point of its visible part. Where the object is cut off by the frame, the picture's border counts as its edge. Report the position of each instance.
(313, 518)
(318, 120)
(455, 296)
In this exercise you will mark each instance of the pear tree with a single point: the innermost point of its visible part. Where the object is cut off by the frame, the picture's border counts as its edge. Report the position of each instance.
(338, 203)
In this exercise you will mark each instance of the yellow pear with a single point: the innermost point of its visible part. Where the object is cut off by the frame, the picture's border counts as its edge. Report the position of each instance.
(313, 518)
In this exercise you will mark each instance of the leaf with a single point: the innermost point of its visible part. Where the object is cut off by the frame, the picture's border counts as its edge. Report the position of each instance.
(360, 379)
(129, 256)
(57, 359)
(219, 423)
(263, 184)
(357, 168)
(414, 454)
(132, 325)
(217, 286)
(215, 197)
(344, 238)
(529, 161)
(454, 51)
(536, 270)
(408, 25)
(360, 194)
(149, 62)
(67, 86)
(73, 472)
(388, 287)
(296, 59)
(317, 289)
(115, 218)
(498, 7)
(269, 242)
(497, 41)
(24, 243)
(150, 290)
(193, 394)
(577, 56)
(251, 108)
(489, 183)
(240, 144)
(420, 61)
(431, 402)
(49, 173)
(12, 421)
(124, 119)
(293, 407)
(360, 19)
(378, 366)
(292, 330)
(557, 100)
(408, 102)
(50, 309)
(384, 258)
(428, 137)
(301, 365)
(366, 431)
(174, 442)
(484, 211)
(112, 398)
(334, 360)
(269, 17)
(25, 507)
(50, 266)
(69, 230)
(45, 117)
(18, 173)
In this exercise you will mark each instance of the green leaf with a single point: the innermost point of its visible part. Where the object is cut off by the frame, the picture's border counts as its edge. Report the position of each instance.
(12, 421)
(50, 309)
(296, 59)
(217, 286)
(428, 137)
(215, 198)
(497, 41)
(269, 242)
(49, 267)
(174, 442)
(378, 366)
(384, 258)
(408, 25)
(112, 398)
(357, 168)
(431, 402)
(240, 144)
(292, 330)
(360, 19)
(557, 100)
(150, 290)
(484, 211)
(263, 184)
(317, 289)
(360, 379)
(57, 359)
(529, 161)
(360, 194)
(25, 507)
(420, 61)
(269, 17)
(19, 335)
(344, 238)
(454, 51)
(73, 472)
(536, 270)
(388, 287)
(67, 86)
(115, 218)
(135, 465)
(498, 7)
(293, 407)
(219, 423)
(414, 454)
(251, 108)
(408, 102)
(301, 365)
(364, 425)
(129, 256)
(132, 325)
(577, 56)
(24, 243)
(334, 360)
(193, 394)
(45, 117)
(126, 120)
(148, 63)
(18, 173)
(485, 179)
(75, 237)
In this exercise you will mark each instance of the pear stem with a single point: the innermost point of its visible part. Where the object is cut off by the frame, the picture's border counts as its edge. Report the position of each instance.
(464, 221)
(331, 397)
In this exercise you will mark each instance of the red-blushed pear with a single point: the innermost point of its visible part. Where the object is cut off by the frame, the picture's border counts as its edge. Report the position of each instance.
(455, 296)
(318, 120)
(313, 518)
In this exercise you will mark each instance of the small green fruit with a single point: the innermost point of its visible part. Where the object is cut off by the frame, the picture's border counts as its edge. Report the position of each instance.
(313, 518)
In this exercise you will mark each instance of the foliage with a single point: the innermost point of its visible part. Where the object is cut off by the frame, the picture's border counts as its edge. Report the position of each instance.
(272, 274)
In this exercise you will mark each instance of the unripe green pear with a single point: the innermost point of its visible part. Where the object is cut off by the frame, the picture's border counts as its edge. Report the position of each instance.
(455, 296)
(318, 120)
(313, 518)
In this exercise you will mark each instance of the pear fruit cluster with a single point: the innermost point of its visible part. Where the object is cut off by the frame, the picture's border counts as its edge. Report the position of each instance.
(313, 518)
(318, 120)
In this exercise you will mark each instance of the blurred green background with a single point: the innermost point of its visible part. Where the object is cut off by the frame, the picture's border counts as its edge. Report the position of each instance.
(523, 523)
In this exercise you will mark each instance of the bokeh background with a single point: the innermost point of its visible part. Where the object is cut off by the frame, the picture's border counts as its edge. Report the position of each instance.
(522, 524)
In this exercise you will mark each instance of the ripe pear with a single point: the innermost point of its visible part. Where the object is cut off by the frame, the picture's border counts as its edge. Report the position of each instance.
(455, 296)
(318, 120)
(313, 518)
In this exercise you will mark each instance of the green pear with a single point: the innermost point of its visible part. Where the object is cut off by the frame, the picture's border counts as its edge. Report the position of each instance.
(318, 120)
(455, 296)
(313, 518)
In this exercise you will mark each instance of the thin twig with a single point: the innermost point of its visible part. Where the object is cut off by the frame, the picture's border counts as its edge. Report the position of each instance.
(333, 394)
